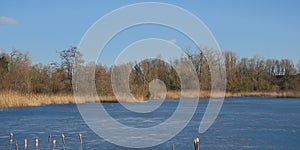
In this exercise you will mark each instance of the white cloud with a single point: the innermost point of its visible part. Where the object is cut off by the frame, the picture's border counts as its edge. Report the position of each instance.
(7, 20)
(173, 41)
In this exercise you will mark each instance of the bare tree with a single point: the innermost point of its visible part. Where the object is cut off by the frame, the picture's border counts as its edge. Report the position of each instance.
(68, 59)
(298, 67)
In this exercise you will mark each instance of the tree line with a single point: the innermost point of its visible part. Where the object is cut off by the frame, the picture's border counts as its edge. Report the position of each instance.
(18, 73)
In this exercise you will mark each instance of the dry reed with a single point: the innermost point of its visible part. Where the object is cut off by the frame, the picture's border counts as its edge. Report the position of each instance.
(15, 99)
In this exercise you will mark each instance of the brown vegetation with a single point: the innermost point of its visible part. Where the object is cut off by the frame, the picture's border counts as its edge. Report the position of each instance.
(25, 84)
(15, 99)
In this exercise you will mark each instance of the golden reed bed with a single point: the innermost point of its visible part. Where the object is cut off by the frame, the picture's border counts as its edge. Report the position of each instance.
(15, 99)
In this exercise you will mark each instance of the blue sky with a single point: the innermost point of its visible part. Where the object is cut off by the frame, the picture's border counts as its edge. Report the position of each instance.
(254, 27)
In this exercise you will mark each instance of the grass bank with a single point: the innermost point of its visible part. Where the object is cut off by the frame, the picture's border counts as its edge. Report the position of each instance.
(280, 94)
(206, 94)
(14, 99)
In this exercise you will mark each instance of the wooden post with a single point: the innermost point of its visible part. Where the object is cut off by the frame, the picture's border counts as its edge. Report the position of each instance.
(36, 141)
(49, 139)
(196, 143)
(11, 138)
(80, 138)
(63, 139)
(17, 147)
(173, 148)
(25, 143)
(54, 143)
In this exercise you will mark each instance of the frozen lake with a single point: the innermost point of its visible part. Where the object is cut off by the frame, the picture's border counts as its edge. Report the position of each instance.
(243, 123)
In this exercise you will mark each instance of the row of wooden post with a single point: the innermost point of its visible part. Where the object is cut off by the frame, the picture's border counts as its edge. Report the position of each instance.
(196, 141)
(37, 141)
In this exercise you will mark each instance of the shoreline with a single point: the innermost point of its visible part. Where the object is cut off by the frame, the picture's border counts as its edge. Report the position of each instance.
(15, 99)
